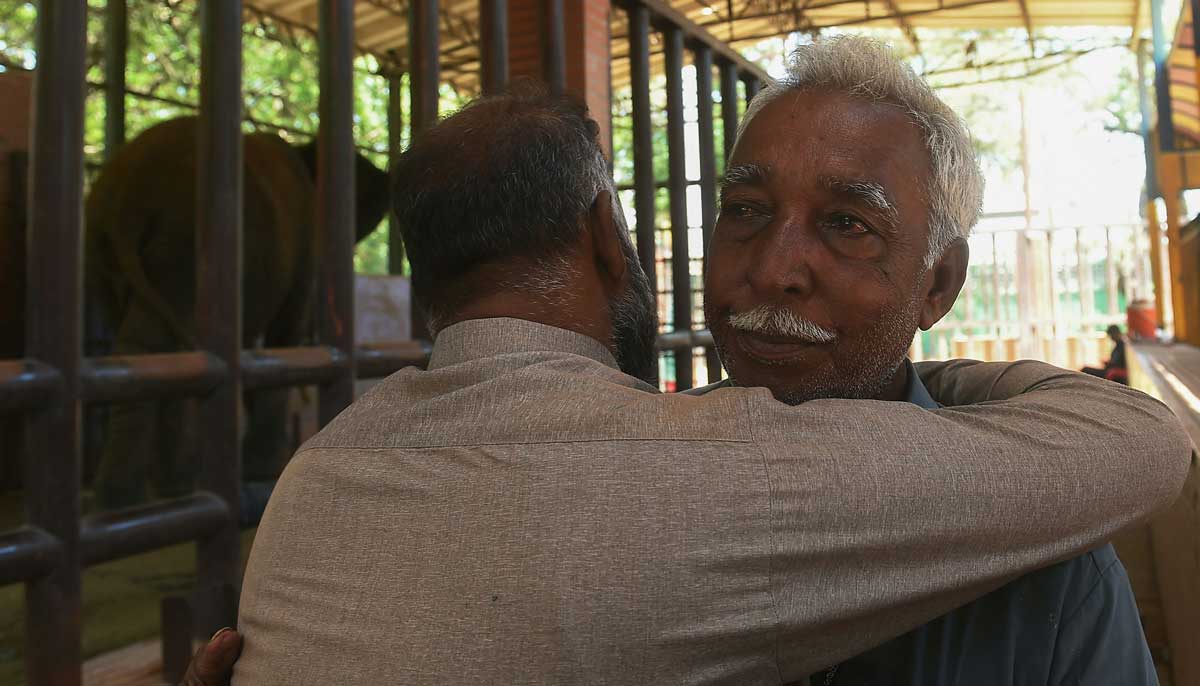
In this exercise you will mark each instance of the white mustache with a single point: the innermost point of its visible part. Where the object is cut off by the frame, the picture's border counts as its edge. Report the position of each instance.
(778, 321)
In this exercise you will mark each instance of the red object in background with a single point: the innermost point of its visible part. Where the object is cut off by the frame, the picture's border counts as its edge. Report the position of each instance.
(1141, 320)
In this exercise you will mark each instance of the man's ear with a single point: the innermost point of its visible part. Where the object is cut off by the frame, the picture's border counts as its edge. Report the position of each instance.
(946, 279)
(606, 244)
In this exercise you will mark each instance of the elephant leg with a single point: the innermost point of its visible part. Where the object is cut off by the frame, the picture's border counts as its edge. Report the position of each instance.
(132, 442)
(123, 474)
(264, 448)
(175, 469)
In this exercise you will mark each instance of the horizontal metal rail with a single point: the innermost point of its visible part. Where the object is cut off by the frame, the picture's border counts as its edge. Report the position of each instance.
(378, 360)
(27, 385)
(286, 367)
(121, 533)
(122, 378)
(26, 554)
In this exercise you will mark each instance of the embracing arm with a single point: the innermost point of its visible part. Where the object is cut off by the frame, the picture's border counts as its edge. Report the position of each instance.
(902, 514)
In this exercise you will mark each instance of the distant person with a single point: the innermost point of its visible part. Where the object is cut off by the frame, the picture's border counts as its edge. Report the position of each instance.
(1114, 368)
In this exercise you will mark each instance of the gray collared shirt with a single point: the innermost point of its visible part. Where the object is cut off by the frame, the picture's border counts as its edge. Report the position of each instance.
(523, 512)
(1072, 623)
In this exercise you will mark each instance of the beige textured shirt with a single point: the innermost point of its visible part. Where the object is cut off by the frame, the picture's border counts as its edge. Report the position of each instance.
(523, 512)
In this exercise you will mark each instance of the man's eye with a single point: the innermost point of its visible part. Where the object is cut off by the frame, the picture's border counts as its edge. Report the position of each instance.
(739, 210)
(847, 225)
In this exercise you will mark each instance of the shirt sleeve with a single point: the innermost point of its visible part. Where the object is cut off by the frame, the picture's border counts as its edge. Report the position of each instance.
(886, 515)
(1102, 641)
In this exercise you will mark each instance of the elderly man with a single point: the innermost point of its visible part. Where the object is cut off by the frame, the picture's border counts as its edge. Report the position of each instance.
(845, 206)
(524, 512)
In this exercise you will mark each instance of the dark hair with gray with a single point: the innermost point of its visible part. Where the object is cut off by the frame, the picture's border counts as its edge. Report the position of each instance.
(865, 68)
(508, 176)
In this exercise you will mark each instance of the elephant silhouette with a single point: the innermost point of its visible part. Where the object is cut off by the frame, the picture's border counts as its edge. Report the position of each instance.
(140, 270)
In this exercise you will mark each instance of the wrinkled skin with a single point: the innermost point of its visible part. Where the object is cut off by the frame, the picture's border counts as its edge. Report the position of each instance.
(798, 233)
(140, 261)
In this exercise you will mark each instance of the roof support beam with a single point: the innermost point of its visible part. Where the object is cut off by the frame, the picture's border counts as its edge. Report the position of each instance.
(909, 32)
(1028, 26)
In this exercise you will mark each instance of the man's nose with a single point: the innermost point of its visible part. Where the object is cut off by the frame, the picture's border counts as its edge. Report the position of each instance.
(782, 265)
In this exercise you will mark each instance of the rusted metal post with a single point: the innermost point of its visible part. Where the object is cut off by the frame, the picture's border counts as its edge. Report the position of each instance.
(681, 277)
(395, 123)
(554, 48)
(729, 105)
(219, 296)
(424, 72)
(116, 23)
(335, 198)
(54, 335)
(494, 55)
(643, 139)
(708, 171)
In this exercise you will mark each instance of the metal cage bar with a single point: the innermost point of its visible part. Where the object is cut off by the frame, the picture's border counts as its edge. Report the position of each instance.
(494, 51)
(335, 200)
(219, 295)
(54, 335)
(703, 60)
(424, 68)
(554, 45)
(729, 106)
(681, 276)
(643, 140)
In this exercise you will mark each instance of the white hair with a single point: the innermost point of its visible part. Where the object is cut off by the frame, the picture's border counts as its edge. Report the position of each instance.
(868, 69)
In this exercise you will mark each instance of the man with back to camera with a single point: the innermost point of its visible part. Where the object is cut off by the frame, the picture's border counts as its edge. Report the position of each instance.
(523, 512)
(828, 255)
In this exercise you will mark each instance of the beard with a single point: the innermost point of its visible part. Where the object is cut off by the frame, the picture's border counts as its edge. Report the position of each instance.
(635, 321)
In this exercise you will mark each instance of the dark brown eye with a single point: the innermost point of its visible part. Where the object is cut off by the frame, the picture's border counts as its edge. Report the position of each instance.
(847, 225)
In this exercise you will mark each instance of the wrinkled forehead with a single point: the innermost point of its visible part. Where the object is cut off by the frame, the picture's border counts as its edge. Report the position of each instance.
(807, 136)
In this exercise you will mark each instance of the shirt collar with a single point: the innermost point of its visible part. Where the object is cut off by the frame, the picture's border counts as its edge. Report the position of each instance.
(475, 339)
(915, 391)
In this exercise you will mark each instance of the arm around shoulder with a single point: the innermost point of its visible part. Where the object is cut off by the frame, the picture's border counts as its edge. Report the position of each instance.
(885, 515)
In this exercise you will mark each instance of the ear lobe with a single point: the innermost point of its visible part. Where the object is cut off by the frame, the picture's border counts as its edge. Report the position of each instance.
(946, 281)
(606, 243)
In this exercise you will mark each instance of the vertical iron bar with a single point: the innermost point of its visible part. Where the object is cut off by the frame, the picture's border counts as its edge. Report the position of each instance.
(752, 87)
(729, 105)
(424, 72)
(494, 55)
(554, 46)
(643, 139)
(681, 277)
(219, 294)
(116, 47)
(424, 65)
(395, 122)
(708, 171)
(335, 197)
(54, 336)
